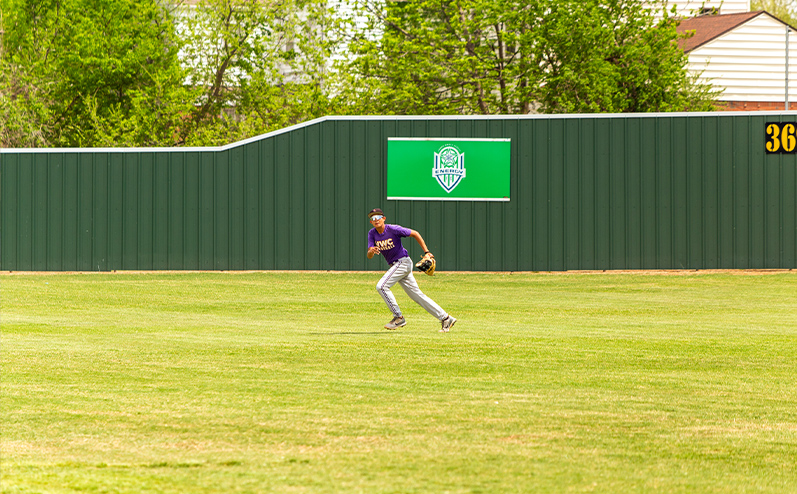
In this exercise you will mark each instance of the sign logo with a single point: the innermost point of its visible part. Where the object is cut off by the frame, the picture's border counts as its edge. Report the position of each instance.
(449, 167)
(410, 161)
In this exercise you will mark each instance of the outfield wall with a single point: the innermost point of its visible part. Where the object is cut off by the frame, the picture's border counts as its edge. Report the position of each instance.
(663, 191)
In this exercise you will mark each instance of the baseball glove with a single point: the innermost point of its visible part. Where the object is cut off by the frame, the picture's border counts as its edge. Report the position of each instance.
(427, 264)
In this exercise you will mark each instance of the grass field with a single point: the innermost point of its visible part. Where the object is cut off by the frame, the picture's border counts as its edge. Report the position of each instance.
(287, 383)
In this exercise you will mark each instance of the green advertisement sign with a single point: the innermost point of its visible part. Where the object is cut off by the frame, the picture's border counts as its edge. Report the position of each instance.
(444, 169)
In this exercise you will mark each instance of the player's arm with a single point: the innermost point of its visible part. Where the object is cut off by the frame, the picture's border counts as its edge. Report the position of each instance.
(419, 239)
(372, 248)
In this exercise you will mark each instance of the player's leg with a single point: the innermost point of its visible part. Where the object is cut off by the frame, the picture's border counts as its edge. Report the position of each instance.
(410, 285)
(391, 277)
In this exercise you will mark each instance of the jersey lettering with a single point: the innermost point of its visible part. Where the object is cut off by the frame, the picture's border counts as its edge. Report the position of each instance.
(384, 244)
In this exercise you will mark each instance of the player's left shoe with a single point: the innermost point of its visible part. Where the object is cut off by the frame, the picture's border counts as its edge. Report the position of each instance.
(447, 323)
(396, 323)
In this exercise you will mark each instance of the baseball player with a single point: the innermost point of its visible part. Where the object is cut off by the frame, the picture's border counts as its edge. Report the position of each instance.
(385, 239)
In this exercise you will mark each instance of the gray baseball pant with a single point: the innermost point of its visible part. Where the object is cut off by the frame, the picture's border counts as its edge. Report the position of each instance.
(401, 272)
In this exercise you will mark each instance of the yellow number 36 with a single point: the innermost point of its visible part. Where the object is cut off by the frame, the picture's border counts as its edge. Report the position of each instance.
(781, 138)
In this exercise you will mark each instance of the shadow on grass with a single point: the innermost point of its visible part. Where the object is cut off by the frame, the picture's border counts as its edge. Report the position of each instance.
(383, 333)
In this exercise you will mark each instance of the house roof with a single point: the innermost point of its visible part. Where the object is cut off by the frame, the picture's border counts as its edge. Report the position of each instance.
(709, 27)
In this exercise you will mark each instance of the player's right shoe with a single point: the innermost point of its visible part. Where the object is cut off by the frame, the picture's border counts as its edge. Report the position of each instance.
(447, 323)
(396, 323)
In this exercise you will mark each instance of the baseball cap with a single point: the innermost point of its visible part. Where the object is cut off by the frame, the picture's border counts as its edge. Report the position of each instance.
(375, 211)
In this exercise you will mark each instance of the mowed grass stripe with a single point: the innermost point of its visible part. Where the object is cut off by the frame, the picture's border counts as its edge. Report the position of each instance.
(286, 382)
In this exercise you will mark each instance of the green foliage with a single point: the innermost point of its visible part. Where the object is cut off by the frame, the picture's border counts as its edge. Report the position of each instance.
(143, 73)
(785, 10)
(86, 62)
(148, 73)
(259, 64)
(24, 114)
(152, 117)
(613, 56)
(512, 56)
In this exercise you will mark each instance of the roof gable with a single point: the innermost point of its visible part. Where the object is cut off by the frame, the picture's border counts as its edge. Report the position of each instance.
(709, 27)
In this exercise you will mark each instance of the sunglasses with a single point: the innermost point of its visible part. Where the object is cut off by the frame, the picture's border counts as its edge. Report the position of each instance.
(376, 217)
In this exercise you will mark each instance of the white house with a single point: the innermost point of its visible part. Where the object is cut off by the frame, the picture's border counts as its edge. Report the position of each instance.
(744, 55)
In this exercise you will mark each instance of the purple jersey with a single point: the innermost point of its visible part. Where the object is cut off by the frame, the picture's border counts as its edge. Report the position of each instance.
(389, 242)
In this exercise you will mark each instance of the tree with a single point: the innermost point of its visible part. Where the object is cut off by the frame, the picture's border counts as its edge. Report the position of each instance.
(146, 73)
(72, 65)
(24, 96)
(785, 10)
(515, 56)
(259, 65)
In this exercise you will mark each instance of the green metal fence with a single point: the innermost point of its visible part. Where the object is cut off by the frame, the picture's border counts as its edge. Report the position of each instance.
(664, 191)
